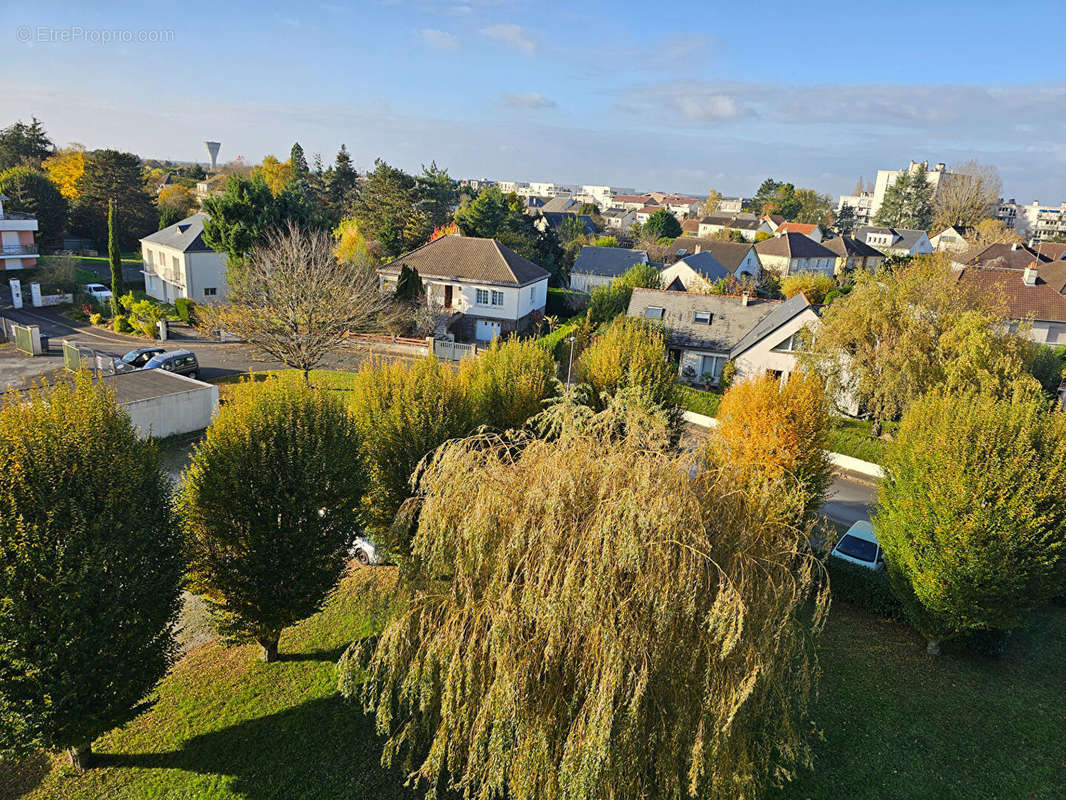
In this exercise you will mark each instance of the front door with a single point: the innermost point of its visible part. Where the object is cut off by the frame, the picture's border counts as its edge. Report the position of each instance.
(448, 296)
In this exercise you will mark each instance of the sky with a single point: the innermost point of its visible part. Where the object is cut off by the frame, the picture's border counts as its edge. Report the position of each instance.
(677, 96)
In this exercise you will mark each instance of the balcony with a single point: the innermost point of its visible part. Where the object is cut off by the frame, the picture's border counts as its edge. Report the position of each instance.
(17, 215)
(18, 250)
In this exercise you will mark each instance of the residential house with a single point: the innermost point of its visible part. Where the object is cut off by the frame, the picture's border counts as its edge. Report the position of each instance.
(705, 332)
(730, 205)
(1000, 255)
(559, 203)
(554, 219)
(748, 225)
(1035, 295)
(1051, 250)
(18, 250)
(789, 253)
(634, 202)
(812, 231)
(680, 205)
(895, 241)
(598, 266)
(644, 214)
(955, 239)
(709, 262)
(690, 227)
(176, 262)
(853, 254)
(491, 289)
(619, 219)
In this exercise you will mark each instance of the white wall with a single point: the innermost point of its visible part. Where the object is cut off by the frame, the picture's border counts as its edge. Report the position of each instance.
(205, 270)
(182, 412)
(517, 301)
(586, 281)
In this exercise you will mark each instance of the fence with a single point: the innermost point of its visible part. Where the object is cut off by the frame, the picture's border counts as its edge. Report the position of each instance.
(453, 351)
(77, 356)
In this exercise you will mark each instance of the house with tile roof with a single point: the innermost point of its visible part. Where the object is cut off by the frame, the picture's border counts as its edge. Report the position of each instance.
(1051, 250)
(177, 262)
(788, 253)
(705, 332)
(955, 239)
(813, 231)
(491, 289)
(711, 261)
(1001, 255)
(598, 266)
(853, 254)
(1035, 296)
(747, 225)
(895, 241)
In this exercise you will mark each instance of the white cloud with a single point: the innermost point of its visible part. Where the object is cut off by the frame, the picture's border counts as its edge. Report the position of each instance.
(442, 40)
(514, 35)
(529, 100)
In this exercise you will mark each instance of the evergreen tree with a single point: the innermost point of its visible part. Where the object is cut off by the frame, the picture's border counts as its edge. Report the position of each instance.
(114, 256)
(341, 185)
(661, 224)
(111, 175)
(437, 194)
(384, 207)
(408, 284)
(298, 161)
(24, 145)
(908, 201)
(271, 503)
(30, 190)
(845, 221)
(90, 569)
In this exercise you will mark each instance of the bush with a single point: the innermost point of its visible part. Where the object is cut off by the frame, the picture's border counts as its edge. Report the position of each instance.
(186, 309)
(96, 319)
(814, 285)
(565, 302)
(699, 402)
(553, 341)
(612, 300)
(870, 590)
(120, 324)
(508, 383)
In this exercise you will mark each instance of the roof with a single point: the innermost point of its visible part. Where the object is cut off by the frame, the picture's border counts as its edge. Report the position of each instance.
(633, 198)
(1052, 250)
(730, 323)
(185, 235)
(468, 258)
(705, 265)
(608, 261)
(556, 218)
(1003, 255)
(782, 313)
(796, 227)
(793, 245)
(729, 254)
(846, 246)
(690, 226)
(1041, 301)
(129, 387)
(902, 238)
(650, 209)
(558, 203)
(616, 212)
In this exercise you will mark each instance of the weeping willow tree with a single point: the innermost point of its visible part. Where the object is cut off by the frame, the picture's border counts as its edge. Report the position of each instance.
(584, 620)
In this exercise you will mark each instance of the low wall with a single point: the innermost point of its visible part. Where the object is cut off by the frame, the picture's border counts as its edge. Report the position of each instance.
(178, 412)
(840, 462)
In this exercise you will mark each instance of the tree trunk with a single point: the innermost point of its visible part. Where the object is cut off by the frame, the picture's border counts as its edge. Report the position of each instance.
(269, 649)
(875, 429)
(932, 647)
(81, 756)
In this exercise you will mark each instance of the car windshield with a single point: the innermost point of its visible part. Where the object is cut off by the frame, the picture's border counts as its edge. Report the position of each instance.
(858, 548)
(134, 357)
(154, 362)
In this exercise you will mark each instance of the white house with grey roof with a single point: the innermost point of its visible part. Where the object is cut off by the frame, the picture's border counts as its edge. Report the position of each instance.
(176, 262)
(895, 241)
(705, 332)
(598, 266)
(709, 262)
(492, 290)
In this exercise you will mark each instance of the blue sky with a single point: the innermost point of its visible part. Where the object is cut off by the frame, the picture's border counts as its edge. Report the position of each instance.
(677, 96)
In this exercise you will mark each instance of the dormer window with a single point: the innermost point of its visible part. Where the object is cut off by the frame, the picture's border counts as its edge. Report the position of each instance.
(703, 317)
(653, 312)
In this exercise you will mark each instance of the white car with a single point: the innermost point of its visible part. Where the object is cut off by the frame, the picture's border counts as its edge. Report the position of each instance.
(97, 291)
(859, 546)
(365, 553)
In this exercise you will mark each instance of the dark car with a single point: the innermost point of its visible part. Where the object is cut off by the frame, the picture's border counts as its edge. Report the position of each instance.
(135, 359)
(180, 362)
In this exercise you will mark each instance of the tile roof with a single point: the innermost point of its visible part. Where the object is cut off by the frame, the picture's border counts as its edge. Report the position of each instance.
(793, 245)
(468, 258)
(646, 199)
(185, 235)
(796, 227)
(729, 254)
(607, 261)
(846, 246)
(731, 321)
(1001, 254)
(1040, 302)
(690, 226)
(1052, 250)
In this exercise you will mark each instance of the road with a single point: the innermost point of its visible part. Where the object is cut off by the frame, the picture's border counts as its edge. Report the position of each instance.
(849, 500)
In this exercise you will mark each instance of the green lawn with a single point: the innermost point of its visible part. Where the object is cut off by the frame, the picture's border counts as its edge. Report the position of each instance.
(852, 438)
(699, 401)
(893, 722)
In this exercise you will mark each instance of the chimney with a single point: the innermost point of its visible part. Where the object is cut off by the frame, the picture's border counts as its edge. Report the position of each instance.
(744, 298)
(940, 167)
(699, 247)
(1014, 246)
(1029, 276)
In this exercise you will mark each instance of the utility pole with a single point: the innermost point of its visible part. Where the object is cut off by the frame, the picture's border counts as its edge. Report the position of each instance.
(570, 365)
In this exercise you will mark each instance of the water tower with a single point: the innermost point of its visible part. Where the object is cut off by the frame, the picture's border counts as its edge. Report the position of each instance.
(212, 151)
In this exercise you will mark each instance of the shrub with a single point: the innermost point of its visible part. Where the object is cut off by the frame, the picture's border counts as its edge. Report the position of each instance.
(629, 353)
(564, 302)
(90, 569)
(870, 590)
(608, 302)
(971, 512)
(508, 383)
(186, 309)
(96, 318)
(814, 285)
(120, 324)
(271, 505)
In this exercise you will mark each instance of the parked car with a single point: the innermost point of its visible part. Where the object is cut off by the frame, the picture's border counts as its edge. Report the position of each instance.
(98, 292)
(859, 546)
(365, 553)
(135, 359)
(180, 362)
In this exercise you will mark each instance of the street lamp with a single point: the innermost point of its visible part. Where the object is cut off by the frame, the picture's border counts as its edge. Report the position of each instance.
(570, 365)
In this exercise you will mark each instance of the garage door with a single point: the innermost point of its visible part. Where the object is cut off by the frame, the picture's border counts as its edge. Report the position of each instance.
(486, 331)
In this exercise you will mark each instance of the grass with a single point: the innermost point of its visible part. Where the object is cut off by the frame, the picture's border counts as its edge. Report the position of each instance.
(852, 437)
(699, 401)
(893, 722)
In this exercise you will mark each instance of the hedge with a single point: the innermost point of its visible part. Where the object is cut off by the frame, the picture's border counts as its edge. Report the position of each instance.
(552, 341)
(186, 308)
(699, 402)
(868, 589)
(565, 302)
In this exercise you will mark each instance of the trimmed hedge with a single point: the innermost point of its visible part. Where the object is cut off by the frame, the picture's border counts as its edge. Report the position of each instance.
(552, 341)
(565, 302)
(699, 402)
(186, 308)
(868, 589)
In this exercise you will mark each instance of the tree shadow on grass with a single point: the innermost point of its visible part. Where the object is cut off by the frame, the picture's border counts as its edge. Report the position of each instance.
(18, 778)
(325, 748)
(333, 655)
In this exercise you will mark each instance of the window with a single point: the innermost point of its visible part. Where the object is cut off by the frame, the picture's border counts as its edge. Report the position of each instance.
(210, 291)
(482, 298)
(712, 365)
(703, 317)
(653, 312)
(174, 262)
(532, 294)
(497, 298)
(789, 345)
